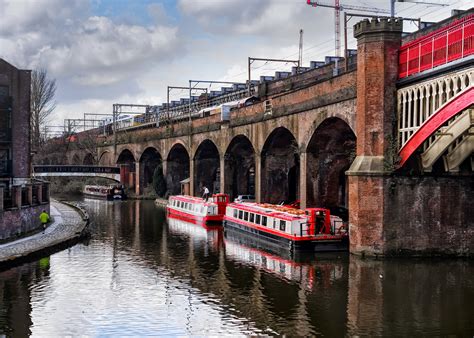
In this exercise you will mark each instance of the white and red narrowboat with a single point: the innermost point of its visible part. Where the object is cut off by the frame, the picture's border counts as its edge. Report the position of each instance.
(310, 229)
(197, 210)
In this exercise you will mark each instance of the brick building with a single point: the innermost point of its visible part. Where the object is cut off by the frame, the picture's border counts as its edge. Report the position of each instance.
(21, 198)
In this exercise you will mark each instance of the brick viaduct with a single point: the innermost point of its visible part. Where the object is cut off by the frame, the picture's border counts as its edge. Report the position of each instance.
(325, 140)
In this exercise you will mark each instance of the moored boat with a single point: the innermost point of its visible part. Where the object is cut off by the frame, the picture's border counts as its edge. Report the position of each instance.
(197, 210)
(312, 229)
(111, 192)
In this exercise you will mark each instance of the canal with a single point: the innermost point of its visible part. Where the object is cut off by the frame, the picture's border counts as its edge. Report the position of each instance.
(139, 275)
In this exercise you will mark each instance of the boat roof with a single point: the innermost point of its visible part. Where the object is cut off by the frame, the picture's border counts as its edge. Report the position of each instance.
(273, 210)
(192, 199)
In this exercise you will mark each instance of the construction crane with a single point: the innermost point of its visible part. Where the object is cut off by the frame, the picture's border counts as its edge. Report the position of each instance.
(337, 10)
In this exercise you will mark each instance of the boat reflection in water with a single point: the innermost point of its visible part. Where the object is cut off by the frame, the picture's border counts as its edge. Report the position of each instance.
(298, 267)
(210, 235)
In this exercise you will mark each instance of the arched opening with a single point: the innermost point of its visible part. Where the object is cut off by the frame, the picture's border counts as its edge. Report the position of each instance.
(280, 167)
(76, 160)
(105, 159)
(149, 160)
(177, 168)
(88, 159)
(206, 168)
(126, 161)
(239, 167)
(330, 152)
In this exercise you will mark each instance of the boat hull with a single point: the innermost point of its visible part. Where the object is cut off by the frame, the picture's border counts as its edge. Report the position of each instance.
(207, 221)
(107, 197)
(337, 243)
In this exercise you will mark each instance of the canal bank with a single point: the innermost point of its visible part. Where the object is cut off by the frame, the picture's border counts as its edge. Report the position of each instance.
(69, 224)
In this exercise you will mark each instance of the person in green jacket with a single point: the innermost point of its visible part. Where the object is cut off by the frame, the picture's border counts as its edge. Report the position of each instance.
(44, 218)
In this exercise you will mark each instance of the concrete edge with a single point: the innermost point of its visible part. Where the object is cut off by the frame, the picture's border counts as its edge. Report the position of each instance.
(52, 247)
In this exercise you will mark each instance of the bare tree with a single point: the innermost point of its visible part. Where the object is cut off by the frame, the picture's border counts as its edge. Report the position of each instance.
(43, 90)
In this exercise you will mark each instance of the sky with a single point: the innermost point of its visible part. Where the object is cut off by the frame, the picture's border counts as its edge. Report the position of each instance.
(103, 52)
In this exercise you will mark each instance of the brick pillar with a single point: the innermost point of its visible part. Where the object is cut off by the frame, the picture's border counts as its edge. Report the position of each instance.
(303, 194)
(16, 195)
(258, 177)
(39, 193)
(139, 175)
(164, 165)
(378, 42)
(125, 174)
(222, 176)
(29, 188)
(45, 195)
(191, 177)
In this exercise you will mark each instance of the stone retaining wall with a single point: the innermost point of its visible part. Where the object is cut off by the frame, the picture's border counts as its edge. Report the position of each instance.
(14, 223)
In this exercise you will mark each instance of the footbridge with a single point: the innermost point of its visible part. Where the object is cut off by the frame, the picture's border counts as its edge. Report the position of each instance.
(111, 173)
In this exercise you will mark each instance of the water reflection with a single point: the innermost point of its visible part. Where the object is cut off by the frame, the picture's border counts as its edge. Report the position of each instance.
(139, 275)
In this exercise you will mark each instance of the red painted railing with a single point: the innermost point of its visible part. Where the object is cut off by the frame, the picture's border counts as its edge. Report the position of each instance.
(447, 44)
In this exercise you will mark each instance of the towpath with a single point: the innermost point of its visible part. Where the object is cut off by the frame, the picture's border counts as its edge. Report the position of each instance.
(68, 224)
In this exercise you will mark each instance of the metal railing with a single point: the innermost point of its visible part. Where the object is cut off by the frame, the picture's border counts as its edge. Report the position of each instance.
(447, 44)
(32, 192)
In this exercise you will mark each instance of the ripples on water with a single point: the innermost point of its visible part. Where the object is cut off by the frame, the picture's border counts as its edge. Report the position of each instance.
(141, 276)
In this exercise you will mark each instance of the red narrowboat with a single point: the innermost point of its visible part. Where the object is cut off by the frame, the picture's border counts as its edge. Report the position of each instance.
(197, 210)
(312, 229)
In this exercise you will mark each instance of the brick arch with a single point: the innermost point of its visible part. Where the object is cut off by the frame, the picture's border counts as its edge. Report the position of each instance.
(88, 159)
(206, 160)
(120, 150)
(177, 167)
(147, 150)
(75, 159)
(167, 150)
(329, 154)
(212, 138)
(105, 158)
(150, 159)
(269, 131)
(239, 167)
(280, 162)
(306, 139)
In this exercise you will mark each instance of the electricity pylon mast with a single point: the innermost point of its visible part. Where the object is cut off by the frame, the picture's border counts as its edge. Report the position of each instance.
(337, 22)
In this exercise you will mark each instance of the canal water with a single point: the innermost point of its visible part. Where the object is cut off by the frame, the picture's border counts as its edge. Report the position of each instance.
(139, 275)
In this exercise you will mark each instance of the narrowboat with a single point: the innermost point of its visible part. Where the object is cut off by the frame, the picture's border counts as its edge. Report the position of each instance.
(313, 229)
(197, 210)
(111, 192)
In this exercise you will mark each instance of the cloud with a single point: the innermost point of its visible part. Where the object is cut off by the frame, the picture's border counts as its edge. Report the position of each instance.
(87, 50)
(275, 19)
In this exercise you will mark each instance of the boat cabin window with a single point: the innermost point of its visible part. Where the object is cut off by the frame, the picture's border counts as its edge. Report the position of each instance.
(264, 221)
(241, 214)
(252, 218)
(282, 225)
(246, 216)
(235, 213)
(257, 218)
